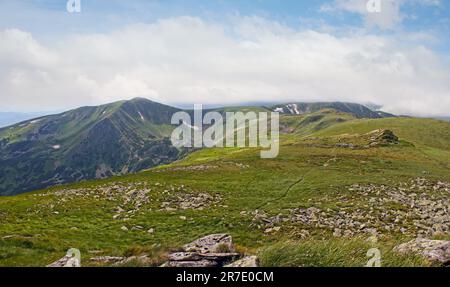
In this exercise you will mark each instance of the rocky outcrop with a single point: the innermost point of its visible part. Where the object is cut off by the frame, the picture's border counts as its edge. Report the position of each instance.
(135, 198)
(72, 259)
(211, 244)
(436, 251)
(214, 250)
(193, 259)
(66, 261)
(382, 137)
(373, 139)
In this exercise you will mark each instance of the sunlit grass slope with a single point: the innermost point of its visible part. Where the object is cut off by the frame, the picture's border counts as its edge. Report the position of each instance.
(310, 171)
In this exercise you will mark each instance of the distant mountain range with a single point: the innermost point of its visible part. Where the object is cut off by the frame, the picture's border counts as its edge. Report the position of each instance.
(443, 118)
(356, 110)
(102, 141)
(10, 118)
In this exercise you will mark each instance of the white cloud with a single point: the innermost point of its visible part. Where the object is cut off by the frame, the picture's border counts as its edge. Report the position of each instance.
(388, 17)
(187, 60)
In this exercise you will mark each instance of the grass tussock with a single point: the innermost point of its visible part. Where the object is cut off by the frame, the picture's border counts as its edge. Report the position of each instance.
(332, 253)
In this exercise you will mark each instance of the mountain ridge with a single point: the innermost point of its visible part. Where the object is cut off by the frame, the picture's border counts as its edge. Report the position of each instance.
(112, 139)
(85, 143)
(358, 110)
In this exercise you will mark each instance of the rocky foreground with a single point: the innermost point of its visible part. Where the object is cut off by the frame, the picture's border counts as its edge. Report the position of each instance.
(418, 208)
(437, 251)
(217, 250)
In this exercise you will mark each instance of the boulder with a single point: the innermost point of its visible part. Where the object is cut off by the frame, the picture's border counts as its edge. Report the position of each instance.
(437, 251)
(193, 256)
(66, 261)
(388, 136)
(72, 259)
(211, 244)
(383, 137)
(214, 250)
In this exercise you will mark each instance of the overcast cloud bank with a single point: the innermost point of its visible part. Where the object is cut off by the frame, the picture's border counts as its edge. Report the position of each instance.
(189, 60)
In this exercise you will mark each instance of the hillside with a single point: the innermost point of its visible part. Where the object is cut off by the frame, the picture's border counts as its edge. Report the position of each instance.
(117, 138)
(309, 123)
(86, 143)
(356, 110)
(333, 186)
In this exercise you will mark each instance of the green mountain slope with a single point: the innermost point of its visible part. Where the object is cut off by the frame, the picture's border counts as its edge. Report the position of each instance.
(86, 143)
(314, 205)
(113, 139)
(309, 123)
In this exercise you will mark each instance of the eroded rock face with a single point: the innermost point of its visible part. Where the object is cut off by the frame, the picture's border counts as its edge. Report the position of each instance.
(437, 251)
(214, 250)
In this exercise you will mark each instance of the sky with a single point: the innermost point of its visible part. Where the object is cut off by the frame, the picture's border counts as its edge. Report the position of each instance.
(224, 52)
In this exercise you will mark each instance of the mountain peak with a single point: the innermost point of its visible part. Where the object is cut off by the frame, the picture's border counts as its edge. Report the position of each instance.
(92, 142)
(140, 99)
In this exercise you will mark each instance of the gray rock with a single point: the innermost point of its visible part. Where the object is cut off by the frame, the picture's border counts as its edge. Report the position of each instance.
(183, 264)
(220, 257)
(210, 251)
(66, 261)
(184, 256)
(432, 250)
(211, 244)
(193, 256)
